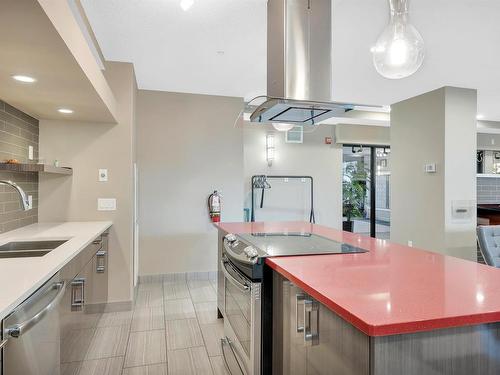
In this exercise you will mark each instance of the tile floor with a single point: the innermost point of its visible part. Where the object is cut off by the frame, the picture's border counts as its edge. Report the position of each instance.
(173, 329)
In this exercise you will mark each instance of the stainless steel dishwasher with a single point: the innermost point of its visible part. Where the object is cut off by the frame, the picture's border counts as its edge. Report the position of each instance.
(31, 333)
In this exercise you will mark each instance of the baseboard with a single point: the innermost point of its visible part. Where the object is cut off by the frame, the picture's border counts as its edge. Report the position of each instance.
(118, 306)
(178, 276)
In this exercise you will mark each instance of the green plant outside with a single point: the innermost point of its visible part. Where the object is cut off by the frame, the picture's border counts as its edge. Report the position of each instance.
(354, 189)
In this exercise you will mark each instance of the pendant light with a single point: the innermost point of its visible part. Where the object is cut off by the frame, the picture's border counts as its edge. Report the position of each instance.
(399, 50)
(186, 4)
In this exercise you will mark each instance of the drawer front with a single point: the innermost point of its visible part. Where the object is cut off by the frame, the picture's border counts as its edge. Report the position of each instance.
(82, 259)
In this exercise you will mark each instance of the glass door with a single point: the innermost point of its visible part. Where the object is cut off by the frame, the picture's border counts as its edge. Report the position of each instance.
(382, 177)
(365, 190)
(356, 189)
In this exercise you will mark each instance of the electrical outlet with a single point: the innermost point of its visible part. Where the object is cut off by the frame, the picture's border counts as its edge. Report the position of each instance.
(410, 243)
(106, 204)
(103, 175)
(30, 153)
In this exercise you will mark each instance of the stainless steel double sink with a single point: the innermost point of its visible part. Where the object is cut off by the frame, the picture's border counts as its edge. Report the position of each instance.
(23, 249)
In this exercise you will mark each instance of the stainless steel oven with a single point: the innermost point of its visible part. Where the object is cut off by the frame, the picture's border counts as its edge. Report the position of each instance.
(241, 347)
(245, 291)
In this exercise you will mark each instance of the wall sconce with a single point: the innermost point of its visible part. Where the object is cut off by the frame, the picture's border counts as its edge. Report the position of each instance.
(270, 148)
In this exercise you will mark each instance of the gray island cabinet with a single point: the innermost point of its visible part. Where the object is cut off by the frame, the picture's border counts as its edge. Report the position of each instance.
(309, 338)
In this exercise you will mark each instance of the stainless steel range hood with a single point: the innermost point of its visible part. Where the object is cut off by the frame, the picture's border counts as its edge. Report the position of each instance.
(299, 64)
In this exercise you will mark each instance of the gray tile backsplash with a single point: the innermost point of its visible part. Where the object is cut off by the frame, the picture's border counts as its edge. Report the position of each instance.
(488, 190)
(17, 131)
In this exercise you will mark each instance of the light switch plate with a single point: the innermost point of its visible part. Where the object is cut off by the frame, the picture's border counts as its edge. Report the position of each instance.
(30, 153)
(103, 175)
(106, 204)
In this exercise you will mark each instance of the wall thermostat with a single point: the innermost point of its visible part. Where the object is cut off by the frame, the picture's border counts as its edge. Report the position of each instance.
(430, 168)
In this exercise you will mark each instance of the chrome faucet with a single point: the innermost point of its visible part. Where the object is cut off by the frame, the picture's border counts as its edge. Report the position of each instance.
(22, 195)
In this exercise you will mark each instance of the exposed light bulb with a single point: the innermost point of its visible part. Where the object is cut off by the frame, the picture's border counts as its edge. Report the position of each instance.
(186, 4)
(282, 127)
(399, 50)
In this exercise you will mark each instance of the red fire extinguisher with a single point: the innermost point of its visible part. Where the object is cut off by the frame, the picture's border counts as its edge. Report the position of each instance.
(214, 206)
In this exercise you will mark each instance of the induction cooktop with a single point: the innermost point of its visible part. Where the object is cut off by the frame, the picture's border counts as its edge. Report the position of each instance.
(296, 243)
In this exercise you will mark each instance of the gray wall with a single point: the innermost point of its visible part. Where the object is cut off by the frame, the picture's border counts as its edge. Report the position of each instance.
(187, 146)
(488, 141)
(17, 132)
(436, 127)
(362, 134)
(488, 190)
(87, 147)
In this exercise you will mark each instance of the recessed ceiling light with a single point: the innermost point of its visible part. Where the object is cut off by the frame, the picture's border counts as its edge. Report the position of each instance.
(24, 79)
(65, 110)
(480, 117)
(186, 4)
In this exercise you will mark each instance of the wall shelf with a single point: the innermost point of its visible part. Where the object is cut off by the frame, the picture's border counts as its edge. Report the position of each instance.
(36, 168)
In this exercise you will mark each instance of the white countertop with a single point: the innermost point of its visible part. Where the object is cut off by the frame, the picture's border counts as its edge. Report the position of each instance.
(19, 277)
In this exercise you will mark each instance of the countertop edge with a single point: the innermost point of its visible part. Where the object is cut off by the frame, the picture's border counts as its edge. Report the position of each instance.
(6, 310)
(387, 329)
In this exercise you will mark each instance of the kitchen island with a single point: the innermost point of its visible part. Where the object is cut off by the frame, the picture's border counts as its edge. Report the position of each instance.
(390, 310)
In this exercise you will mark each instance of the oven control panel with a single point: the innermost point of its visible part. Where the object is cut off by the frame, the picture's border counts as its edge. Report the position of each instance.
(250, 252)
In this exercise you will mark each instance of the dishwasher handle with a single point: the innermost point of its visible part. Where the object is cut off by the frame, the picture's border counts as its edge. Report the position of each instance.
(21, 328)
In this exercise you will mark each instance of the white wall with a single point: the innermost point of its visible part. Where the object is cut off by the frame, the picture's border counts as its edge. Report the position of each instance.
(187, 146)
(315, 158)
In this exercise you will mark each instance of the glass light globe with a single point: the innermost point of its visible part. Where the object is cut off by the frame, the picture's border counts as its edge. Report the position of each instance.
(282, 127)
(399, 50)
(186, 4)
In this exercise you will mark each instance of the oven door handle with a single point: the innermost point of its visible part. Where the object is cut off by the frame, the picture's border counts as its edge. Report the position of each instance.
(244, 287)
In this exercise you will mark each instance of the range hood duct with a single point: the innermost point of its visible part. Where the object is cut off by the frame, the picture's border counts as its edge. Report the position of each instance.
(299, 64)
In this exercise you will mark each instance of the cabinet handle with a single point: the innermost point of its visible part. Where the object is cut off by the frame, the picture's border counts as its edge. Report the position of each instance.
(311, 322)
(100, 261)
(77, 293)
(3, 343)
(299, 299)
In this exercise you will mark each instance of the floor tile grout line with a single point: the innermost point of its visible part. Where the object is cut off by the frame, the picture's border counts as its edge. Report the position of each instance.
(145, 365)
(165, 326)
(128, 338)
(165, 320)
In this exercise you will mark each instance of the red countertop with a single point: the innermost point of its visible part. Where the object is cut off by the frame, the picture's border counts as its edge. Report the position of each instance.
(391, 289)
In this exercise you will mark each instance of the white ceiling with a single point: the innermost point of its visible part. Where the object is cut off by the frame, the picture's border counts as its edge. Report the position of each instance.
(173, 50)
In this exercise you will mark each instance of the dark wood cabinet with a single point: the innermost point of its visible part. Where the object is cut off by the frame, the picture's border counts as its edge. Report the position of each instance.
(311, 339)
